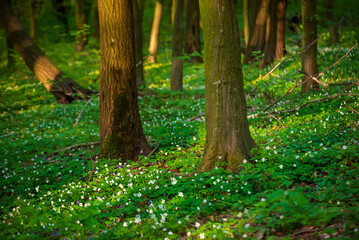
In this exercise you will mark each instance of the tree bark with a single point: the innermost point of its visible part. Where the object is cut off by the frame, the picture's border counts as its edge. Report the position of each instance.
(34, 6)
(82, 13)
(258, 29)
(193, 40)
(228, 140)
(332, 23)
(138, 7)
(177, 46)
(155, 32)
(121, 134)
(62, 88)
(309, 57)
(274, 48)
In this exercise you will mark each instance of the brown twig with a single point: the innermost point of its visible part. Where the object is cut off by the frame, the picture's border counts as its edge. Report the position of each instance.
(276, 119)
(75, 146)
(158, 144)
(314, 78)
(194, 118)
(93, 168)
(251, 92)
(78, 118)
(322, 72)
(335, 97)
(276, 66)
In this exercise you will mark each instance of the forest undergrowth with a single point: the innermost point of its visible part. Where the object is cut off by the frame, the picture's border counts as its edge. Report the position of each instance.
(302, 182)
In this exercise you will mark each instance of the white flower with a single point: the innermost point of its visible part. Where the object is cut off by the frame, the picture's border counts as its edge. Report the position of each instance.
(247, 225)
(267, 147)
(240, 215)
(125, 224)
(281, 166)
(188, 234)
(245, 161)
(180, 194)
(219, 157)
(294, 165)
(263, 199)
(197, 224)
(170, 233)
(344, 147)
(244, 235)
(201, 235)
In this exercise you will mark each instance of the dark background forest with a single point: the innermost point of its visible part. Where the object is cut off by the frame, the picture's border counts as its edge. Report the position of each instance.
(179, 119)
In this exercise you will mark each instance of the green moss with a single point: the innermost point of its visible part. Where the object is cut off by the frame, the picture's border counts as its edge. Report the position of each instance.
(113, 147)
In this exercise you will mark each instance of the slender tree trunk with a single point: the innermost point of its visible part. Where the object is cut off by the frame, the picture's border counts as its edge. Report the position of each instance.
(193, 40)
(228, 140)
(82, 14)
(155, 31)
(62, 9)
(52, 78)
(332, 23)
(246, 21)
(177, 46)
(309, 57)
(274, 48)
(121, 134)
(257, 38)
(34, 4)
(138, 7)
(95, 23)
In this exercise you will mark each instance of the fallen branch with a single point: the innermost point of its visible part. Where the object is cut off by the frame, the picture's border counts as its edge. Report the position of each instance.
(251, 92)
(7, 135)
(76, 146)
(276, 119)
(194, 118)
(78, 118)
(322, 72)
(93, 168)
(158, 144)
(314, 78)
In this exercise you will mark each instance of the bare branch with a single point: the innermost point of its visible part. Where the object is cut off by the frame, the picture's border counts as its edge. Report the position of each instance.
(76, 146)
(78, 118)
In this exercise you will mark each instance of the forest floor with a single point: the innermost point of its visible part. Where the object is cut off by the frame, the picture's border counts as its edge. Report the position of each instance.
(302, 182)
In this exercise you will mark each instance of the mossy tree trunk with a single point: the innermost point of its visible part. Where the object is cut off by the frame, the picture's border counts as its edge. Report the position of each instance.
(155, 32)
(309, 57)
(138, 7)
(121, 133)
(193, 40)
(177, 45)
(82, 15)
(228, 140)
(274, 48)
(62, 88)
(332, 23)
(258, 29)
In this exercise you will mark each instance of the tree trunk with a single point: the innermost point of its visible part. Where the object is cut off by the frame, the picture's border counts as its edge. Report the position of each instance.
(177, 45)
(138, 7)
(34, 5)
(258, 29)
(228, 140)
(274, 48)
(121, 134)
(155, 32)
(332, 23)
(309, 57)
(95, 23)
(62, 9)
(82, 13)
(193, 40)
(246, 21)
(52, 78)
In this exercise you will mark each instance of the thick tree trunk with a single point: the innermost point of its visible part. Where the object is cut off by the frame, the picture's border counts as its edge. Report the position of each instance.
(177, 46)
(155, 31)
(95, 23)
(332, 23)
(258, 29)
(82, 13)
(193, 40)
(62, 8)
(121, 134)
(52, 78)
(138, 7)
(228, 140)
(274, 48)
(309, 57)
(34, 5)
